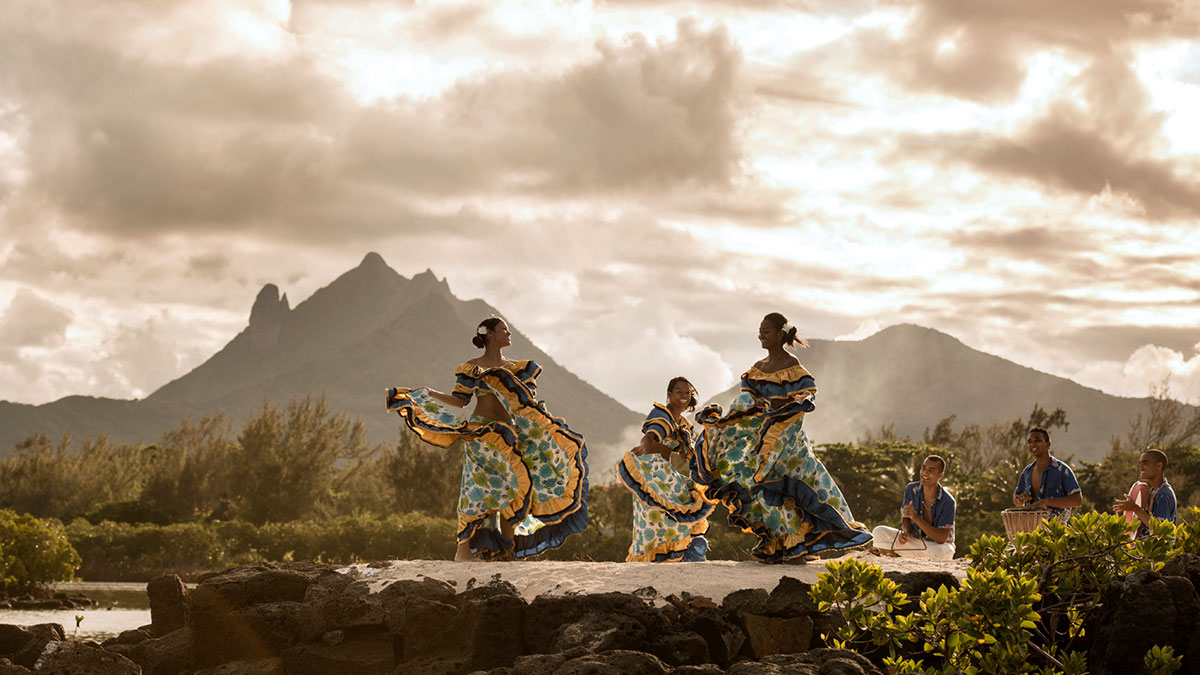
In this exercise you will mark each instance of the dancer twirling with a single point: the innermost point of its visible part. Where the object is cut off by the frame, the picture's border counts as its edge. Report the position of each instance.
(670, 514)
(520, 463)
(757, 459)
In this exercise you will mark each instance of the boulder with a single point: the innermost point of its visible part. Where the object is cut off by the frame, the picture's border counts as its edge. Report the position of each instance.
(915, 583)
(166, 655)
(751, 600)
(1139, 611)
(362, 654)
(547, 614)
(789, 598)
(168, 604)
(826, 662)
(337, 602)
(128, 637)
(496, 633)
(262, 582)
(767, 635)
(724, 639)
(253, 632)
(701, 669)
(680, 648)
(538, 664)
(24, 644)
(272, 666)
(9, 668)
(249, 612)
(601, 632)
(762, 668)
(78, 658)
(618, 662)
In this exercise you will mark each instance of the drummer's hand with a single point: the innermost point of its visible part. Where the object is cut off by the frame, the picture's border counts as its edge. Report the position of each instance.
(1124, 504)
(903, 538)
(1021, 499)
(1039, 504)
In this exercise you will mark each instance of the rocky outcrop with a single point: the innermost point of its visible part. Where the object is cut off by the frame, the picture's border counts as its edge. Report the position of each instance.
(307, 618)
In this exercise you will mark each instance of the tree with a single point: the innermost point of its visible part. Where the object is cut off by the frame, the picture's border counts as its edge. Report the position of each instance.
(288, 465)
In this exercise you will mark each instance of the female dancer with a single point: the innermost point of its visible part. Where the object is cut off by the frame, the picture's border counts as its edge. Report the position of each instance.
(757, 459)
(520, 463)
(670, 514)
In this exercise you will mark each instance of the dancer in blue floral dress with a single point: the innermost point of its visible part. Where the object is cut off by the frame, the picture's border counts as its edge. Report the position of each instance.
(758, 461)
(670, 513)
(521, 465)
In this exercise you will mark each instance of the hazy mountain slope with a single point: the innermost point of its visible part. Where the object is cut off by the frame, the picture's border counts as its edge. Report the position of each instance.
(367, 330)
(916, 376)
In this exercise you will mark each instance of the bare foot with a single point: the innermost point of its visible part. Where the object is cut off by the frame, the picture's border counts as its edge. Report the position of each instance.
(463, 554)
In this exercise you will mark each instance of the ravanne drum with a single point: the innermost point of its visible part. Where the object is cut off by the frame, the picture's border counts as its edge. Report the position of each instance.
(1022, 520)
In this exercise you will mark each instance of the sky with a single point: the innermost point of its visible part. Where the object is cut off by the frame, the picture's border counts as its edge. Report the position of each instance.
(633, 183)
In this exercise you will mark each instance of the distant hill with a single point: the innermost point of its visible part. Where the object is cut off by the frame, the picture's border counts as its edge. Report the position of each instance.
(369, 329)
(915, 376)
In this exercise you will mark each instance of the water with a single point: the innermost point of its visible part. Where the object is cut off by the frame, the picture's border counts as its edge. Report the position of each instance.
(122, 605)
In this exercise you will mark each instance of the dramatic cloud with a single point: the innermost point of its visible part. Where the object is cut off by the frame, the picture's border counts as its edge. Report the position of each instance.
(32, 321)
(1020, 174)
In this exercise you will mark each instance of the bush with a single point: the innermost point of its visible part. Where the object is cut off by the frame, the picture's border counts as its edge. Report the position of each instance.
(34, 552)
(1027, 602)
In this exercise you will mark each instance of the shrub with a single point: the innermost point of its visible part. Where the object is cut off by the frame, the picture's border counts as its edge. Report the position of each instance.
(34, 552)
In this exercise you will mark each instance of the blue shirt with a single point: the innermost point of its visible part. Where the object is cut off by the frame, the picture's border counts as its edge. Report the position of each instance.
(941, 513)
(1058, 480)
(1162, 505)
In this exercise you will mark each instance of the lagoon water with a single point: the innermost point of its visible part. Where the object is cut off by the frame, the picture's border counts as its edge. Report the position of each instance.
(120, 606)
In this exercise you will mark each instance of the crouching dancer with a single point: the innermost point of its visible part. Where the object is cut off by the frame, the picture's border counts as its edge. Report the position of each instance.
(928, 506)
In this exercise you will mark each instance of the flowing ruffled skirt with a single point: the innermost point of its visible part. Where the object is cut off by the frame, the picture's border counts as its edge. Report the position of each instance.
(760, 464)
(531, 472)
(670, 514)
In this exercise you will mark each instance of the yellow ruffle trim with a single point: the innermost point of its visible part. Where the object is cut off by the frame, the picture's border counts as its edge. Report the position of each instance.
(698, 529)
(699, 501)
(554, 427)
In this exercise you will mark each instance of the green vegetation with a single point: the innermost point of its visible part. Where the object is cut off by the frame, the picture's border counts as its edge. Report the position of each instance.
(1019, 605)
(302, 483)
(33, 552)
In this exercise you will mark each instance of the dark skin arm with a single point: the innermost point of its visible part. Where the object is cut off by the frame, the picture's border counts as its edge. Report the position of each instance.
(650, 445)
(938, 534)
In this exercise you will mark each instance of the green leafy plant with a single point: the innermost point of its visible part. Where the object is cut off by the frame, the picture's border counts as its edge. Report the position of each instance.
(34, 552)
(1162, 661)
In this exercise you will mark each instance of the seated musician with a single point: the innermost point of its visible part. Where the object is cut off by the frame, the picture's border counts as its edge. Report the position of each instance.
(928, 506)
(1047, 482)
(1152, 470)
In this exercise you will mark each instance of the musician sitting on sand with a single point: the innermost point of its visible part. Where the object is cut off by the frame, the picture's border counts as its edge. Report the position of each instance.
(1152, 467)
(1057, 489)
(931, 508)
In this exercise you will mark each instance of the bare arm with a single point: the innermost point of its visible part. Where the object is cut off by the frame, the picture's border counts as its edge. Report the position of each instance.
(448, 399)
(651, 446)
(1068, 502)
(938, 534)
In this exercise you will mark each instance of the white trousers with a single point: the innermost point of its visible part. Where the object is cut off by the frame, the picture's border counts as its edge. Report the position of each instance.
(886, 538)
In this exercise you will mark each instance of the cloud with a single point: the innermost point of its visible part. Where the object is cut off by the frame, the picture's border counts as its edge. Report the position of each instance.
(980, 50)
(31, 320)
(1100, 135)
(1148, 367)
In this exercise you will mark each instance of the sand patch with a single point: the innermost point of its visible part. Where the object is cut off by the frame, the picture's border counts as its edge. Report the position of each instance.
(714, 579)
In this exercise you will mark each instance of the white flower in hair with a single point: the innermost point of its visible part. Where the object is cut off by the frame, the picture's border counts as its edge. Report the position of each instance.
(482, 330)
(788, 327)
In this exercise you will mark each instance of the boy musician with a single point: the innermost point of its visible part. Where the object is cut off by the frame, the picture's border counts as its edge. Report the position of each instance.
(1047, 482)
(927, 528)
(1152, 466)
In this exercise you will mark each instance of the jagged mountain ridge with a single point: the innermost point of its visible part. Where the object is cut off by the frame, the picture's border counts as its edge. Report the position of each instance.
(369, 329)
(914, 377)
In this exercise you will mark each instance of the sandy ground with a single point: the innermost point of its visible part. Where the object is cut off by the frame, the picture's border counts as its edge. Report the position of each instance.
(714, 579)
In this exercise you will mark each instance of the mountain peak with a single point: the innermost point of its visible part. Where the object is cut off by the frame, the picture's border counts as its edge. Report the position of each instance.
(372, 259)
(266, 318)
